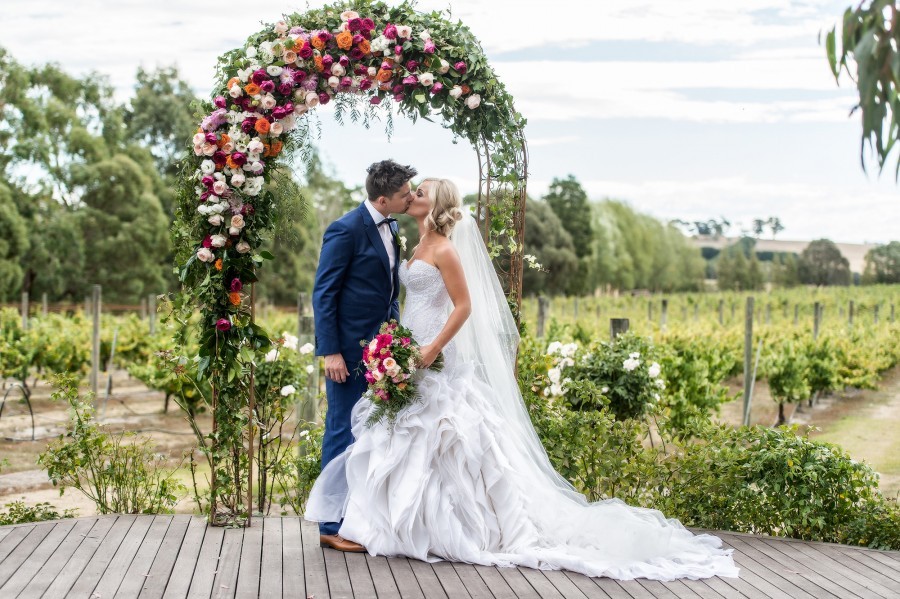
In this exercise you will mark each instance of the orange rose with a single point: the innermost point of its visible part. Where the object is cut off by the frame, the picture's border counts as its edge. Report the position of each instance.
(344, 40)
(276, 148)
(466, 89)
(252, 89)
(317, 42)
(219, 264)
(401, 386)
(319, 66)
(234, 298)
(267, 149)
(223, 140)
(262, 126)
(233, 81)
(384, 75)
(365, 46)
(230, 163)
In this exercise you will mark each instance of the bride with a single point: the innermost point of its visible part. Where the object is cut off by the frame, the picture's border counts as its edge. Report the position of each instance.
(462, 475)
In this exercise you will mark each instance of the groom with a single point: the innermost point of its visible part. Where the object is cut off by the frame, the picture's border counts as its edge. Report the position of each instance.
(355, 291)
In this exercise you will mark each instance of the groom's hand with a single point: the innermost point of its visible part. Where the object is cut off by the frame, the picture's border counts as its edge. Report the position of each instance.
(335, 368)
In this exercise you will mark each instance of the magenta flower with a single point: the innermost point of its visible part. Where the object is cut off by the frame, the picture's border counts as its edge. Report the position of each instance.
(236, 285)
(376, 100)
(267, 86)
(259, 75)
(356, 54)
(305, 52)
(324, 36)
(429, 47)
(370, 378)
(327, 61)
(324, 98)
(285, 89)
(358, 38)
(390, 32)
(365, 84)
(207, 242)
(437, 88)
(344, 61)
(410, 80)
(248, 125)
(398, 50)
(223, 324)
(368, 24)
(207, 180)
(460, 67)
(346, 81)
(205, 196)
(239, 158)
(412, 65)
(220, 101)
(247, 210)
(219, 157)
(354, 24)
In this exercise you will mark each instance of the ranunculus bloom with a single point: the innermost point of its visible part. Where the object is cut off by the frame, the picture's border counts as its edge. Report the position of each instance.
(460, 67)
(223, 324)
(306, 51)
(219, 101)
(411, 65)
(437, 88)
(267, 86)
(368, 24)
(259, 76)
(375, 100)
(324, 98)
(207, 241)
(327, 61)
(429, 47)
(390, 32)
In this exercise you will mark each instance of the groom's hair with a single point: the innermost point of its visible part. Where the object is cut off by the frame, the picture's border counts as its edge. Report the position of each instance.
(386, 177)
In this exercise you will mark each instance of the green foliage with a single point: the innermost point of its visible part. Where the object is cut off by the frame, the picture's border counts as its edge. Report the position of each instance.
(118, 473)
(305, 465)
(551, 244)
(869, 43)
(737, 267)
(821, 263)
(883, 264)
(14, 243)
(17, 512)
(786, 369)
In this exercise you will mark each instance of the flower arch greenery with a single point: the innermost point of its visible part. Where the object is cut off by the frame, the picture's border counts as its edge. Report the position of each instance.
(371, 61)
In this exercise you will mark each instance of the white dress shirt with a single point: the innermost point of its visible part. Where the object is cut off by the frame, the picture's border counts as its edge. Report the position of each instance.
(386, 236)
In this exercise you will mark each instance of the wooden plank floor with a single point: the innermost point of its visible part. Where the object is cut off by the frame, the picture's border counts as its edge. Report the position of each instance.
(166, 556)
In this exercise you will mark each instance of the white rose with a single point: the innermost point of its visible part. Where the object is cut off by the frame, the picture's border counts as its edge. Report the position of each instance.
(425, 35)
(199, 139)
(654, 370)
(630, 364)
(288, 390)
(268, 102)
(553, 348)
(426, 79)
(255, 146)
(445, 67)
(281, 28)
(215, 220)
(634, 355)
(456, 92)
(274, 70)
(208, 167)
(604, 390)
(219, 187)
(218, 241)
(238, 179)
(372, 71)
(251, 52)
(334, 82)
(310, 369)
(290, 121)
(312, 99)
(237, 221)
(244, 74)
(272, 355)
(404, 31)
(276, 129)
(569, 349)
(660, 384)
(338, 69)
(299, 109)
(349, 14)
(473, 101)
(234, 231)
(554, 374)
(306, 348)
(373, 345)
(242, 247)
(377, 375)
(205, 255)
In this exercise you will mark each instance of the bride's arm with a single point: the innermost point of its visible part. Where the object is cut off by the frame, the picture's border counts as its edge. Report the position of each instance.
(447, 261)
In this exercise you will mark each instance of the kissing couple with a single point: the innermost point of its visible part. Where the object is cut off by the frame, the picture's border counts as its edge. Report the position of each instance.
(461, 474)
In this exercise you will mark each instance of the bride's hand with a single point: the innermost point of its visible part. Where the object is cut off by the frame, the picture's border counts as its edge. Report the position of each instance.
(429, 353)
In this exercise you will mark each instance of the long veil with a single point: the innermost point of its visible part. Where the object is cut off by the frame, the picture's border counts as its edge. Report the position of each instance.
(575, 533)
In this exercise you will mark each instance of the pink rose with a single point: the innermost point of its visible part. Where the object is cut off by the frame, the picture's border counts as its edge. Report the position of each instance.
(390, 32)
(223, 324)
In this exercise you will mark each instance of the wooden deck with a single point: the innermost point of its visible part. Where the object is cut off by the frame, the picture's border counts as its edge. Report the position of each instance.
(180, 556)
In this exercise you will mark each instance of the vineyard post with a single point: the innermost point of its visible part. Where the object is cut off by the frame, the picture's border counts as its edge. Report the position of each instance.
(87, 306)
(721, 312)
(733, 308)
(817, 319)
(784, 310)
(697, 311)
(877, 307)
(892, 313)
(543, 306)
(650, 309)
(44, 304)
(598, 310)
(664, 313)
(24, 310)
(575, 309)
(796, 314)
(850, 312)
(143, 308)
(151, 311)
(684, 313)
(95, 341)
(748, 358)
(768, 313)
(617, 326)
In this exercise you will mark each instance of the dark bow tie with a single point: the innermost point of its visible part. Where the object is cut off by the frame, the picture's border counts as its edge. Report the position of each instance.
(387, 220)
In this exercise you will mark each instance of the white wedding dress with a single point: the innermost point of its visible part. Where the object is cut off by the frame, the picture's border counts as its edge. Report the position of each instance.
(450, 481)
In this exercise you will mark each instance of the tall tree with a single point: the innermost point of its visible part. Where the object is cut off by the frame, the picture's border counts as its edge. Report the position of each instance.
(14, 244)
(883, 264)
(570, 203)
(549, 242)
(821, 263)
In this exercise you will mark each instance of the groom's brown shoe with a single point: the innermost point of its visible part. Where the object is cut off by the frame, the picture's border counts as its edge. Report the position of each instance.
(340, 543)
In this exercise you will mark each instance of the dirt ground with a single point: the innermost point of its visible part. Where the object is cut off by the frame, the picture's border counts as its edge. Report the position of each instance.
(130, 407)
(864, 422)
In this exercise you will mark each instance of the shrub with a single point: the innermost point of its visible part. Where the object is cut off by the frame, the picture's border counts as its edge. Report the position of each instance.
(119, 473)
(17, 512)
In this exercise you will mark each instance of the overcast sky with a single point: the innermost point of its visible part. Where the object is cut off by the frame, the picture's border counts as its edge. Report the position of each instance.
(686, 109)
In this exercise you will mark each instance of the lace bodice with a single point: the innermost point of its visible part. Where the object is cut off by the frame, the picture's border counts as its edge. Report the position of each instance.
(427, 304)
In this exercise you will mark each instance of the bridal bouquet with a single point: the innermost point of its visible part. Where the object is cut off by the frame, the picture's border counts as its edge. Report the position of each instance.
(391, 359)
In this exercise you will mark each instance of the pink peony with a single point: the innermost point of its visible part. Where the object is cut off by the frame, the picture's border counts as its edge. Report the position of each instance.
(223, 324)
(390, 32)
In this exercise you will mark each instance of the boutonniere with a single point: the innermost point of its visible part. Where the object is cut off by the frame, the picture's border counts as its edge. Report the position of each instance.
(400, 240)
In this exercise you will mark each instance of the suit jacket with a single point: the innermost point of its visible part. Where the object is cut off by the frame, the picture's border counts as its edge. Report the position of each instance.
(352, 292)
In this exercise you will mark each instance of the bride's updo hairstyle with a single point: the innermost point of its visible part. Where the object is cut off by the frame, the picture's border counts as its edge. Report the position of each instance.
(446, 205)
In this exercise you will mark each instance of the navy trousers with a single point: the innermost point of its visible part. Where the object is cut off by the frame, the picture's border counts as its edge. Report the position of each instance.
(338, 436)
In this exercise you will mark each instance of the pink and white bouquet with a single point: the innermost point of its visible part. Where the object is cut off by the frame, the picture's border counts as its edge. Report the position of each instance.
(391, 360)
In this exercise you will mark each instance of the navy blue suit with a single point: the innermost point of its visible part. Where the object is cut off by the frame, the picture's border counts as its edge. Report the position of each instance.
(351, 298)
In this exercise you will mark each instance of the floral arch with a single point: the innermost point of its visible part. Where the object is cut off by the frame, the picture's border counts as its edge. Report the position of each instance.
(367, 58)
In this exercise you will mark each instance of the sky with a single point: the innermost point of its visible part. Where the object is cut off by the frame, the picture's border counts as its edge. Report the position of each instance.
(688, 109)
